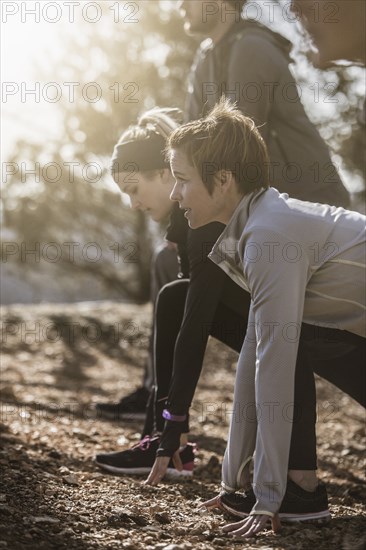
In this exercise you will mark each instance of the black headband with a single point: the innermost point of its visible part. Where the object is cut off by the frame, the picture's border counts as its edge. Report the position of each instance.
(145, 154)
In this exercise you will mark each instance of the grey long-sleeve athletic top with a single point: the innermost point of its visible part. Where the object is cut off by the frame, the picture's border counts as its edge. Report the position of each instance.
(301, 262)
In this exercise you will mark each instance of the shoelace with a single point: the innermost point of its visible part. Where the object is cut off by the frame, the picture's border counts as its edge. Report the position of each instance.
(144, 444)
(147, 441)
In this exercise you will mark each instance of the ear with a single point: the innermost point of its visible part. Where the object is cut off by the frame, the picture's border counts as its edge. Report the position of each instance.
(224, 179)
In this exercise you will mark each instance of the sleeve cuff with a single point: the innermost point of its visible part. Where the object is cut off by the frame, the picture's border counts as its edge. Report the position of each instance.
(174, 417)
(262, 513)
(226, 488)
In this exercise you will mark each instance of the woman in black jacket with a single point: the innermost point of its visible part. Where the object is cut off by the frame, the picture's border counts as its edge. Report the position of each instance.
(201, 302)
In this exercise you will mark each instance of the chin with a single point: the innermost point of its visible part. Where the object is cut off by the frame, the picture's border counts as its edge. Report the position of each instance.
(195, 224)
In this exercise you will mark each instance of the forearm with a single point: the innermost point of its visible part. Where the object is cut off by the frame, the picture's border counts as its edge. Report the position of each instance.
(278, 292)
(202, 299)
(243, 424)
(274, 388)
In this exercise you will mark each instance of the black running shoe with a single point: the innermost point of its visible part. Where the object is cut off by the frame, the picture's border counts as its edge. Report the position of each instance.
(141, 457)
(131, 407)
(297, 504)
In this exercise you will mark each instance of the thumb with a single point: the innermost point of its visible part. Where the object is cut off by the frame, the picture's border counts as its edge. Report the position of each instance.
(212, 503)
(177, 461)
(276, 523)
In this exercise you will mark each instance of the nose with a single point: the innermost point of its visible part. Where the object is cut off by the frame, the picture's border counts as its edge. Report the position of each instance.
(176, 195)
(135, 203)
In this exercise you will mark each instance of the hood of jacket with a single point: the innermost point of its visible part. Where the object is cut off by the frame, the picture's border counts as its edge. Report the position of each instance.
(249, 26)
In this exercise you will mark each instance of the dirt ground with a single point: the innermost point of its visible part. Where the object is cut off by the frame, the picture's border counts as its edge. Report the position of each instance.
(59, 360)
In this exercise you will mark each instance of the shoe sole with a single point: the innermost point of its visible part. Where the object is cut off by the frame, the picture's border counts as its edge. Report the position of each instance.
(171, 472)
(317, 517)
(312, 517)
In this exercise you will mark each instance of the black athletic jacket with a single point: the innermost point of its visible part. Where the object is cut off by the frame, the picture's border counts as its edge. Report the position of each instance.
(208, 286)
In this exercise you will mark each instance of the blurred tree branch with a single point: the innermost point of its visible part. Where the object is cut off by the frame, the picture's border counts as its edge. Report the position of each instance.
(135, 66)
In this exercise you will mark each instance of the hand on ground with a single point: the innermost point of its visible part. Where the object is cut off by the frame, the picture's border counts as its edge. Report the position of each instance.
(252, 525)
(160, 467)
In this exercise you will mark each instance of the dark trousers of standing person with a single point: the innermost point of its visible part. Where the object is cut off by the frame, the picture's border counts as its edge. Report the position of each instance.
(335, 355)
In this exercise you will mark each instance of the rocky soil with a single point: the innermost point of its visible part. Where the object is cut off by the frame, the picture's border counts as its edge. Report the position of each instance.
(59, 360)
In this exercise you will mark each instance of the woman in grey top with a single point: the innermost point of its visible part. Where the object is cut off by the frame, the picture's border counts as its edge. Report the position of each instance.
(303, 264)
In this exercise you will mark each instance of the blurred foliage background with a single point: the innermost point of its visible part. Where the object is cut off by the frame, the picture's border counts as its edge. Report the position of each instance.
(136, 65)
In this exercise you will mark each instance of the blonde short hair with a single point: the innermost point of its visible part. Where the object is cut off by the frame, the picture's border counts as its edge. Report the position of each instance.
(224, 140)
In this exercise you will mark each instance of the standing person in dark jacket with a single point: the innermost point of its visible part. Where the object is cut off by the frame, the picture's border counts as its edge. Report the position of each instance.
(249, 64)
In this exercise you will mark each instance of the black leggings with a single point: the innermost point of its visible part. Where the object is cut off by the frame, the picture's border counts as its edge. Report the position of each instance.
(335, 355)
(228, 326)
